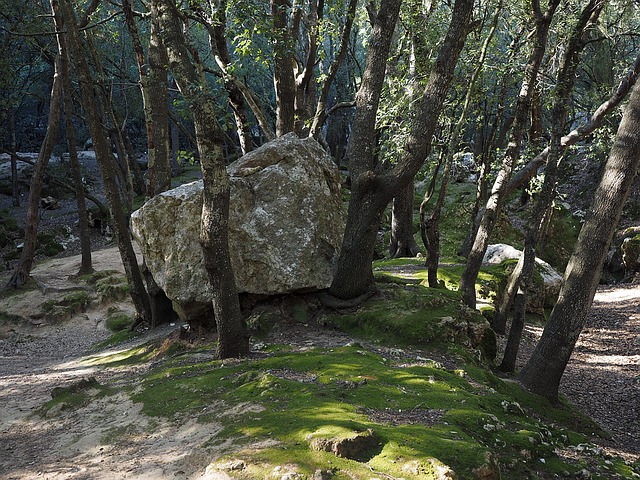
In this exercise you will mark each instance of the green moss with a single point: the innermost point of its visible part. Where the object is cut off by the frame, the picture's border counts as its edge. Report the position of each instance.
(69, 305)
(118, 321)
(110, 284)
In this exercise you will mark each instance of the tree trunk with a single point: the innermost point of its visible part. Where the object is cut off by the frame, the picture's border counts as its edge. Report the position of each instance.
(86, 266)
(322, 103)
(542, 207)
(497, 197)
(371, 192)
(595, 121)
(105, 159)
(402, 242)
(430, 229)
(283, 79)
(217, 40)
(153, 86)
(21, 274)
(233, 336)
(544, 370)
(353, 276)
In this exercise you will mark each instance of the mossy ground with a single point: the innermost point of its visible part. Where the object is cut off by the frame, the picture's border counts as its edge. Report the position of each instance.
(426, 416)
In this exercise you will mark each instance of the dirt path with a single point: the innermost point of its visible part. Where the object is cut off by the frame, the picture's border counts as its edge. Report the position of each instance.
(109, 439)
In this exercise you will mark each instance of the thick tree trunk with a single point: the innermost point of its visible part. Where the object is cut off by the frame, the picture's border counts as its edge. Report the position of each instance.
(105, 159)
(544, 370)
(353, 276)
(497, 197)
(233, 336)
(423, 125)
(402, 242)
(21, 274)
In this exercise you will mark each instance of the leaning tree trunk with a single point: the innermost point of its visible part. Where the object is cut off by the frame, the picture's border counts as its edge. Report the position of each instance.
(371, 192)
(497, 197)
(544, 370)
(233, 336)
(542, 208)
(354, 276)
(105, 159)
(21, 274)
(218, 41)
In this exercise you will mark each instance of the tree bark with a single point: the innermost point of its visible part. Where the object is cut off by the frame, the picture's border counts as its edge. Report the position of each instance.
(354, 276)
(218, 42)
(283, 79)
(430, 228)
(86, 266)
(544, 370)
(497, 197)
(402, 242)
(322, 104)
(371, 192)
(233, 336)
(22, 271)
(564, 86)
(565, 83)
(106, 162)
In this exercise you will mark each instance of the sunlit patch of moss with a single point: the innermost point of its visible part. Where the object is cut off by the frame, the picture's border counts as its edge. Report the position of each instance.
(73, 396)
(299, 394)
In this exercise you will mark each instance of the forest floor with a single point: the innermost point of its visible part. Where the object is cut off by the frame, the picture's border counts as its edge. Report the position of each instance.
(602, 380)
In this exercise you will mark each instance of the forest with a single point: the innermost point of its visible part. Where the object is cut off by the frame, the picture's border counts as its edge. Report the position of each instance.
(441, 134)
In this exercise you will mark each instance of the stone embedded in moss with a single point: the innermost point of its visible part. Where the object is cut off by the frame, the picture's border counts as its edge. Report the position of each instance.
(359, 446)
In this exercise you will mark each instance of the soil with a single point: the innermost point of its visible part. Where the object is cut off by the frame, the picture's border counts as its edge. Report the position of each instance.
(602, 380)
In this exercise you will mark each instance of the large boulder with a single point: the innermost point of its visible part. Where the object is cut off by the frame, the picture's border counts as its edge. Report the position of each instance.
(547, 294)
(285, 227)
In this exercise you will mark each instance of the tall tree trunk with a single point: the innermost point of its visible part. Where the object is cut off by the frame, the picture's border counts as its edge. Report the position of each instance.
(106, 161)
(283, 60)
(354, 276)
(371, 192)
(542, 207)
(83, 221)
(233, 336)
(21, 274)
(497, 197)
(544, 370)
(430, 229)
(153, 86)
